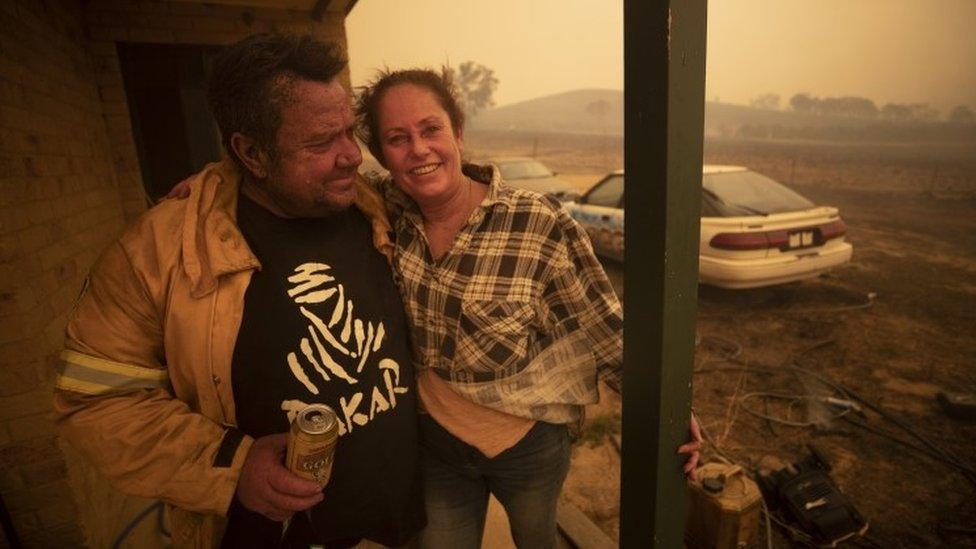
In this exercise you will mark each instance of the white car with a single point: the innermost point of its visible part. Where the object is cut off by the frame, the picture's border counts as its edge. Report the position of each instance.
(754, 230)
(528, 173)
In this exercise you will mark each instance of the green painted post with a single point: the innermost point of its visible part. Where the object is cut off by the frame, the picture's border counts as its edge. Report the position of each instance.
(664, 95)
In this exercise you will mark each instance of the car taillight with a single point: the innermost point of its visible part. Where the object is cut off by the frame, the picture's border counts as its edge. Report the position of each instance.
(750, 241)
(776, 239)
(833, 229)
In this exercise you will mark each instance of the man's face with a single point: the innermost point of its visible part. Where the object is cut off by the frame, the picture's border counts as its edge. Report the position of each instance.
(314, 171)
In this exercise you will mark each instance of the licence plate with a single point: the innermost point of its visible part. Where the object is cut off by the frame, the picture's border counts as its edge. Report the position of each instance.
(801, 239)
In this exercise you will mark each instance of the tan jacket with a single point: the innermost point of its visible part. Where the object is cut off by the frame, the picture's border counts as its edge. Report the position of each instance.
(144, 390)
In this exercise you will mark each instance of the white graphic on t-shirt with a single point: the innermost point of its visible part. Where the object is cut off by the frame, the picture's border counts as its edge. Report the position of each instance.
(342, 334)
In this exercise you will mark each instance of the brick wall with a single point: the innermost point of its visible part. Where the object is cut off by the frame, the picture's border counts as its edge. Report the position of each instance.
(59, 206)
(69, 180)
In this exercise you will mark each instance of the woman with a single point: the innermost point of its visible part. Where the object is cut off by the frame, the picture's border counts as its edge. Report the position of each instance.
(512, 317)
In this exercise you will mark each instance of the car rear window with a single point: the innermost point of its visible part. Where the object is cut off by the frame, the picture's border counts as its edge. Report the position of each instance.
(607, 193)
(523, 169)
(749, 193)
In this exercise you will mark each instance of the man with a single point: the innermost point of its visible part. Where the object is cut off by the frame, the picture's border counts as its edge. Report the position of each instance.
(214, 320)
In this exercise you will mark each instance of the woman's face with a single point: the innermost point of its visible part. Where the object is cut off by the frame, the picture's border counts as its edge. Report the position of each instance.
(420, 148)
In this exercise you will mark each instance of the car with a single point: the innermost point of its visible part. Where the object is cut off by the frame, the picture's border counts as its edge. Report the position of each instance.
(755, 231)
(522, 172)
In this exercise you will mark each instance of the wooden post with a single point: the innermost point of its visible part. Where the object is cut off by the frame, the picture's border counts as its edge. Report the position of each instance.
(664, 84)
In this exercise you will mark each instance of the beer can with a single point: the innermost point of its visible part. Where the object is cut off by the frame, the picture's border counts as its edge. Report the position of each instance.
(311, 443)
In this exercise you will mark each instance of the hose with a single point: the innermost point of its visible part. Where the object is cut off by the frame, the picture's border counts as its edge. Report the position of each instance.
(155, 506)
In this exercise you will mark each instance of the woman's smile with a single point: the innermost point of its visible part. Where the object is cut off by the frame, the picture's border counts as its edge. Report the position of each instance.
(425, 169)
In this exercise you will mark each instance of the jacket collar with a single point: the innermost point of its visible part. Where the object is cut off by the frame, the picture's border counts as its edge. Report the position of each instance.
(212, 243)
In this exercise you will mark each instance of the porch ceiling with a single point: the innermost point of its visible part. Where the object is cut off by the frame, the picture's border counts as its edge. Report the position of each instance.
(313, 6)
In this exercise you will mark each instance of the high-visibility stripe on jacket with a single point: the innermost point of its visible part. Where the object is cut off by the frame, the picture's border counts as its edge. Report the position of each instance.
(96, 376)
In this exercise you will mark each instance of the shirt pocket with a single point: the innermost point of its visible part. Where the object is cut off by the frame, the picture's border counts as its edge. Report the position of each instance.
(493, 337)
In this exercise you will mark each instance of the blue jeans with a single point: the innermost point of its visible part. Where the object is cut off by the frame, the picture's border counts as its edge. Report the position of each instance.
(526, 479)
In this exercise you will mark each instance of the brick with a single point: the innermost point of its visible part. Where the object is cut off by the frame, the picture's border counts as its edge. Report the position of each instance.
(38, 212)
(117, 122)
(14, 190)
(34, 238)
(25, 522)
(19, 453)
(32, 348)
(13, 166)
(78, 148)
(13, 71)
(20, 326)
(58, 513)
(54, 332)
(44, 472)
(103, 47)
(26, 428)
(12, 93)
(54, 255)
(35, 498)
(46, 188)
(10, 480)
(13, 219)
(25, 404)
(64, 299)
(10, 248)
(18, 379)
(17, 118)
(67, 535)
(16, 299)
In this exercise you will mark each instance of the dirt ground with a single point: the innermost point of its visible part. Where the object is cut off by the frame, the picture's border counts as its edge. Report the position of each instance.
(896, 325)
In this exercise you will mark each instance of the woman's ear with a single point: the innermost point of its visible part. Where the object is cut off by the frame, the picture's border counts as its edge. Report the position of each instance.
(251, 155)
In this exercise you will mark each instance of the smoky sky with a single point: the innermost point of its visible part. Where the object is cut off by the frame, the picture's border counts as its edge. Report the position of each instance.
(906, 51)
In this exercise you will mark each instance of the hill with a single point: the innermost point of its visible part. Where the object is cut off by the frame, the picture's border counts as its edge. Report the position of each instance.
(578, 111)
(601, 112)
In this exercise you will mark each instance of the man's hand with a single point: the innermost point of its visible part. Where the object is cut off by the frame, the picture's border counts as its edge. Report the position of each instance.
(268, 488)
(181, 190)
(691, 448)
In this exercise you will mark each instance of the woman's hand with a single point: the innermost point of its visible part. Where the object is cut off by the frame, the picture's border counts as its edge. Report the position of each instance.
(692, 448)
(181, 190)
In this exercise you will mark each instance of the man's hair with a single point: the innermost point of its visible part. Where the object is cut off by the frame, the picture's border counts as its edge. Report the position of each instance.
(441, 85)
(252, 81)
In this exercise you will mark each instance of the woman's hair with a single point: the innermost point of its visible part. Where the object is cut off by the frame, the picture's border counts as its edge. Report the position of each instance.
(253, 79)
(441, 85)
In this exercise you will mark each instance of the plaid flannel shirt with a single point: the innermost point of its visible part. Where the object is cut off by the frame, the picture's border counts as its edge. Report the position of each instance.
(518, 315)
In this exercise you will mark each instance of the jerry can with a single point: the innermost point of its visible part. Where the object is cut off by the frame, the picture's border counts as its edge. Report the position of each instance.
(724, 508)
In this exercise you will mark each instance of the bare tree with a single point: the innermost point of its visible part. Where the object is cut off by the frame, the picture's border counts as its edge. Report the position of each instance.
(476, 83)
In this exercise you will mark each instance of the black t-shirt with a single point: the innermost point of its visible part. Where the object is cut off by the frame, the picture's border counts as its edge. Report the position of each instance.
(323, 323)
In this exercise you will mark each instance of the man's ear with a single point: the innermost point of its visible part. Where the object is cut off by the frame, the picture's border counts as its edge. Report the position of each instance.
(252, 155)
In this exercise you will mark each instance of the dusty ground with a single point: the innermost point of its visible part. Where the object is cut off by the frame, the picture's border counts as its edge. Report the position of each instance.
(911, 214)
